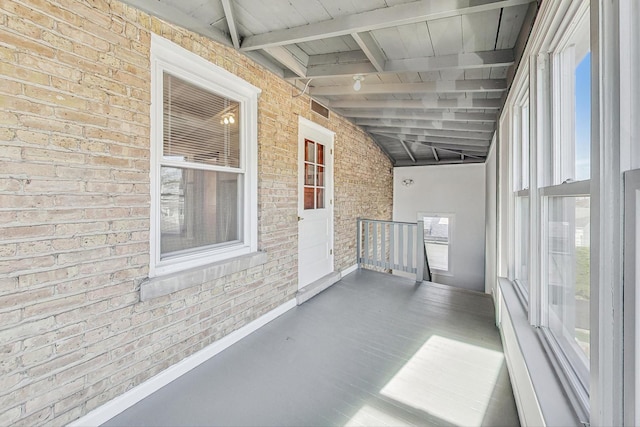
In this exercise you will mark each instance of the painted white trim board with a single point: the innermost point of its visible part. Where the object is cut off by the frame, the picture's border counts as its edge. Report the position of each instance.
(348, 270)
(116, 406)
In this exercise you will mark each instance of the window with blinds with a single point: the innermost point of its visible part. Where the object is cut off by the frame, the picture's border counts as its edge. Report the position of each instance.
(204, 162)
(198, 202)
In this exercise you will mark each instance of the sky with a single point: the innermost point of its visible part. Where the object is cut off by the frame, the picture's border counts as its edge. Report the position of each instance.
(583, 118)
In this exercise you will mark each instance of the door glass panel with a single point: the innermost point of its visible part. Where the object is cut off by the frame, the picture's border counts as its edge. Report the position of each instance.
(309, 151)
(314, 169)
(319, 198)
(308, 198)
(309, 172)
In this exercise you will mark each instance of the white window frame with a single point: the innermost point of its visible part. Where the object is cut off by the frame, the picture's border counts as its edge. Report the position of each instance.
(559, 180)
(169, 57)
(518, 112)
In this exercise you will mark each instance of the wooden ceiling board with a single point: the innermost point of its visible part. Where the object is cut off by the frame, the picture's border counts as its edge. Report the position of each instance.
(449, 75)
(446, 35)
(430, 76)
(510, 26)
(416, 40)
(311, 10)
(410, 78)
(477, 73)
(389, 41)
(329, 45)
(272, 14)
(479, 30)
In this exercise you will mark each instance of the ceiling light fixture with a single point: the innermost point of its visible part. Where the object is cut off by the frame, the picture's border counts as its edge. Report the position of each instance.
(358, 82)
(228, 118)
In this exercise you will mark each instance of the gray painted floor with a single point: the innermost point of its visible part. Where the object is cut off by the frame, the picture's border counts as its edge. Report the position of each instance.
(373, 349)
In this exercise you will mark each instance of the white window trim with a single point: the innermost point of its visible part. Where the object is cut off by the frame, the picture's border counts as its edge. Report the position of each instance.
(559, 183)
(556, 22)
(168, 56)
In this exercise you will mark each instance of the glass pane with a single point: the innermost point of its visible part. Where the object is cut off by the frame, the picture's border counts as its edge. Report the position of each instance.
(199, 126)
(436, 238)
(568, 237)
(524, 146)
(438, 255)
(320, 177)
(522, 241)
(197, 208)
(309, 172)
(319, 198)
(320, 160)
(583, 119)
(308, 198)
(309, 151)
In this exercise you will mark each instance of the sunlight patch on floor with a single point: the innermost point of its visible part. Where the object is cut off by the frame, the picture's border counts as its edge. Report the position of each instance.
(370, 416)
(451, 380)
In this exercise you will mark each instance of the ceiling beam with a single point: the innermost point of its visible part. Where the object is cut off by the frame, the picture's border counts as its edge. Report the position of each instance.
(455, 86)
(174, 15)
(407, 150)
(463, 153)
(427, 124)
(452, 143)
(437, 133)
(422, 104)
(350, 63)
(435, 154)
(231, 22)
(401, 114)
(401, 14)
(440, 162)
(286, 58)
(491, 58)
(371, 50)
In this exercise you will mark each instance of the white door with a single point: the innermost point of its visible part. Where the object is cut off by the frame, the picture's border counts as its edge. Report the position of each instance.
(315, 202)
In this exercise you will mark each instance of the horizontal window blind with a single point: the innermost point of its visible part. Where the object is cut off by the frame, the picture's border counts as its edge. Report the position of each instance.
(199, 126)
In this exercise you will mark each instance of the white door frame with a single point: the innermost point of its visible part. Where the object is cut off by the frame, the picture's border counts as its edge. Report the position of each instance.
(306, 129)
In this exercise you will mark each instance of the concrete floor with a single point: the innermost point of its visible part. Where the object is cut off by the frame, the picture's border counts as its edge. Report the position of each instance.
(373, 349)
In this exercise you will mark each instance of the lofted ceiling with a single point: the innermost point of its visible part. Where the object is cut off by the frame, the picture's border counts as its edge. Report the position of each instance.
(434, 73)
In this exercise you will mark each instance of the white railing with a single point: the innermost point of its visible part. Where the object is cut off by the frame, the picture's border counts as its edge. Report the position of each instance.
(393, 246)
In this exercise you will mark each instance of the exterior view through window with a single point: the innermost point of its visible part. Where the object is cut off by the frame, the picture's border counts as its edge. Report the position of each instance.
(436, 239)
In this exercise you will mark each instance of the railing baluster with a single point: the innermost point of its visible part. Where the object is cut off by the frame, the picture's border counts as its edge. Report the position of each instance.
(375, 244)
(392, 247)
(366, 242)
(401, 247)
(359, 243)
(383, 250)
(420, 252)
(409, 246)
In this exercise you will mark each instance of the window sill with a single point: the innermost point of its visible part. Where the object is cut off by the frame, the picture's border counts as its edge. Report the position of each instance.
(165, 285)
(554, 406)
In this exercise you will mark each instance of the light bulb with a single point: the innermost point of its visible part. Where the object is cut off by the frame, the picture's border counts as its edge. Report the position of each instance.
(232, 120)
(226, 120)
(357, 85)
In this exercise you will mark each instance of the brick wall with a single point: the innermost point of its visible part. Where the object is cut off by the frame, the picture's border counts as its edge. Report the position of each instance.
(74, 208)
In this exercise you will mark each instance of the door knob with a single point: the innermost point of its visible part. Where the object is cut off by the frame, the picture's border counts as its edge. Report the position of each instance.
(300, 218)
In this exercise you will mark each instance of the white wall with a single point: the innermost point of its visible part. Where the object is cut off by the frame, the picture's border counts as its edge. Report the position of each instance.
(450, 189)
(490, 281)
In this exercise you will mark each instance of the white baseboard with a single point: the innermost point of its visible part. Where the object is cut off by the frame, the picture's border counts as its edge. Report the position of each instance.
(114, 407)
(349, 270)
